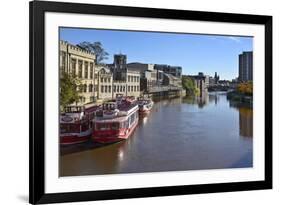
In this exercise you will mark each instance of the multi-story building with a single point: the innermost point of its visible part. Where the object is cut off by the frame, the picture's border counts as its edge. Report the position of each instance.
(120, 87)
(246, 66)
(148, 76)
(104, 81)
(173, 70)
(80, 63)
(124, 78)
(141, 67)
(107, 88)
(171, 80)
(133, 83)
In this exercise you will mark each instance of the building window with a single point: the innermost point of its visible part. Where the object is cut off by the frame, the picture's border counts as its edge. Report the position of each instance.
(73, 66)
(129, 88)
(85, 88)
(109, 89)
(63, 60)
(105, 80)
(114, 88)
(80, 64)
(86, 70)
(135, 88)
(105, 88)
(124, 88)
(109, 80)
(117, 88)
(91, 88)
(91, 70)
(102, 88)
(138, 88)
(101, 79)
(129, 78)
(81, 88)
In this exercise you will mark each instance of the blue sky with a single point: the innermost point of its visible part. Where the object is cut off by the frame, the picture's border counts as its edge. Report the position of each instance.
(195, 53)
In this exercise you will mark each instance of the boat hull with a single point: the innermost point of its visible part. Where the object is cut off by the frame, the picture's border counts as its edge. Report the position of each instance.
(114, 137)
(75, 138)
(144, 111)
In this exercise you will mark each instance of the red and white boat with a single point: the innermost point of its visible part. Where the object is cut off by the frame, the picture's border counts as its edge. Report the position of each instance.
(145, 105)
(76, 124)
(116, 121)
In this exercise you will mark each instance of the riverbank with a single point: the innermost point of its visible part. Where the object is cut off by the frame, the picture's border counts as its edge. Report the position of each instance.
(240, 97)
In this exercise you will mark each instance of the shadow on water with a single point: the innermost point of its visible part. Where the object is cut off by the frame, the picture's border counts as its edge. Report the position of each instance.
(68, 149)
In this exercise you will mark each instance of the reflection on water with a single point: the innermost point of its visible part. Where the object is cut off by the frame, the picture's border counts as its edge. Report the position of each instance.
(245, 118)
(189, 133)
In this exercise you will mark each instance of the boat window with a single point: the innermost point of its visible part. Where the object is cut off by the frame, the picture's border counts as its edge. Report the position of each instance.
(84, 126)
(102, 126)
(124, 124)
(69, 128)
(63, 128)
(115, 126)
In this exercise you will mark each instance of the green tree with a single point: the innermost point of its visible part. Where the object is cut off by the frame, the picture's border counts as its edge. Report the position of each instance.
(68, 89)
(97, 48)
(189, 85)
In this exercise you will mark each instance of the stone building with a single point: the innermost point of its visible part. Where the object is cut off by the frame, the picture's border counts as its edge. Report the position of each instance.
(148, 76)
(119, 87)
(103, 83)
(173, 70)
(171, 80)
(98, 82)
(81, 63)
(124, 78)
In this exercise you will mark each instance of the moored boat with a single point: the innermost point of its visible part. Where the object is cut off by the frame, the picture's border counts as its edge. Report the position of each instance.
(76, 124)
(145, 105)
(116, 121)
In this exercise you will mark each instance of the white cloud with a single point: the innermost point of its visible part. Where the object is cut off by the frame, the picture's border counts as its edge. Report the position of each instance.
(236, 39)
(224, 38)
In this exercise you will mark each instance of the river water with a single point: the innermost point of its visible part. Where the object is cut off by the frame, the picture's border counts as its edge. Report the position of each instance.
(188, 133)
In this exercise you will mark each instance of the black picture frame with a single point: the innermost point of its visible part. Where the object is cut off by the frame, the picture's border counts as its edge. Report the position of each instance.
(37, 9)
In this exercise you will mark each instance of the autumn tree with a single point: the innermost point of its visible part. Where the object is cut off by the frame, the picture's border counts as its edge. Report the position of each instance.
(245, 88)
